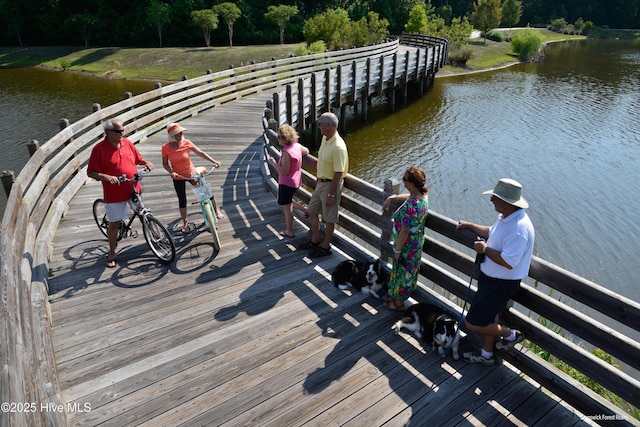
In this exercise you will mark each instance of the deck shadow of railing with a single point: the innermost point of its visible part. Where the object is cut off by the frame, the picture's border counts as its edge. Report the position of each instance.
(56, 171)
(446, 267)
(443, 284)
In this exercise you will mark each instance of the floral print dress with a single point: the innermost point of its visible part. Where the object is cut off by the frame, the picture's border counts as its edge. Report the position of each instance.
(411, 214)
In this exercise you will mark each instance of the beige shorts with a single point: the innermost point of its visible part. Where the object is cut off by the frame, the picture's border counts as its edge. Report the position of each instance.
(317, 203)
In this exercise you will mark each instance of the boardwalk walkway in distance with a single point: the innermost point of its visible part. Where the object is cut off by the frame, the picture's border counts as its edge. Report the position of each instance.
(253, 335)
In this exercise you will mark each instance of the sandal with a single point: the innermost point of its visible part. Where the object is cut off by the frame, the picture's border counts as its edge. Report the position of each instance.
(320, 252)
(111, 263)
(283, 233)
(308, 245)
(393, 306)
(185, 228)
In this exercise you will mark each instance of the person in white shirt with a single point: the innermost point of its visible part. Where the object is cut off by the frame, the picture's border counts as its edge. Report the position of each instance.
(508, 247)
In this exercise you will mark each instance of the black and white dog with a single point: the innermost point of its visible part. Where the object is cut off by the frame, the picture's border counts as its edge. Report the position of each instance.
(433, 326)
(365, 276)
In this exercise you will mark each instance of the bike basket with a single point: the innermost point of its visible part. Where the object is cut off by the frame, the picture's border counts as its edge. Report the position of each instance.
(202, 191)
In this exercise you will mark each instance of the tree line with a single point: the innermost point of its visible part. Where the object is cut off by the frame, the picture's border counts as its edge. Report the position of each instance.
(157, 23)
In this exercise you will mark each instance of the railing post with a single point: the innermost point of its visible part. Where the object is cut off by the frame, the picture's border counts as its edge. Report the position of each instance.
(300, 126)
(33, 146)
(338, 102)
(314, 98)
(8, 178)
(327, 90)
(405, 78)
(365, 98)
(276, 108)
(354, 87)
(289, 102)
(381, 83)
(391, 187)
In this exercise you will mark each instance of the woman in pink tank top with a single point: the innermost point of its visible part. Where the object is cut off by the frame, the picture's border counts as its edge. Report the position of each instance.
(289, 169)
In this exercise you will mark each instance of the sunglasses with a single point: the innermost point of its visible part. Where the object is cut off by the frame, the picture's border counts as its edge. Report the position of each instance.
(120, 131)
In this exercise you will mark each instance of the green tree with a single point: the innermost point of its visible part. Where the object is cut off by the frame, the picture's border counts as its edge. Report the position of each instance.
(207, 20)
(417, 20)
(368, 30)
(486, 16)
(11, 18)
(82, 22)
(158, 15)
(331, 27)
(458, 32)
(511, 12)
(230, 13)
(281, 14)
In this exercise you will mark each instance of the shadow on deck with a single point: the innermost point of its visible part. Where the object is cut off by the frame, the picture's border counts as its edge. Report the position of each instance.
(255, 334)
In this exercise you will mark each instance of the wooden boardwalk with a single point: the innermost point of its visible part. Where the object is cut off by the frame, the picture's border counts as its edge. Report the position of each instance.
(255, 335)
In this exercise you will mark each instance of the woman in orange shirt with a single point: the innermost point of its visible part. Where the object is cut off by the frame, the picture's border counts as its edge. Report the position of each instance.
(176, 160)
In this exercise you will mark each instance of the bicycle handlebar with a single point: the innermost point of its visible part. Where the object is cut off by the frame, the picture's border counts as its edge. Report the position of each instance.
(198, 176)
(136, 177)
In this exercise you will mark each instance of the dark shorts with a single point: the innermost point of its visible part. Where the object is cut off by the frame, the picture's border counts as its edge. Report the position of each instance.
(285, 194)
(493, 294)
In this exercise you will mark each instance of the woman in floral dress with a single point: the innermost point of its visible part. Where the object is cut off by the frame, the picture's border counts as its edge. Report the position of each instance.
(408, 237)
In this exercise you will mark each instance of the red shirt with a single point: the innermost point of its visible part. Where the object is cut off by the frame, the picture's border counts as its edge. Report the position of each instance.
(107, 159)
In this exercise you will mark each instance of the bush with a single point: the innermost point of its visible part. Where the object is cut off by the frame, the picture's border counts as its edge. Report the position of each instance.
(317, 47)
(558, 25)
(460, 56)
(301, 50)
(527, 44)
(494, 36)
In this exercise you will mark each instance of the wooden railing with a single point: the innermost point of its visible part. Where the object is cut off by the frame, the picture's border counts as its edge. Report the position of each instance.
(447, 264)
(341, 85)
(56, 171)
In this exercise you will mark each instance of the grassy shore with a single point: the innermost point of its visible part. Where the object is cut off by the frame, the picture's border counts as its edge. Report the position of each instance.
(170, 64)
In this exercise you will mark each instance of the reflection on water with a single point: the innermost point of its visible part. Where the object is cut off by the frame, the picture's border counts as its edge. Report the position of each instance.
(567, 130)
(34, 100)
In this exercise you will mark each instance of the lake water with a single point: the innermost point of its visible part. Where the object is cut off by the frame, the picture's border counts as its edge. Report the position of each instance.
(567, 128)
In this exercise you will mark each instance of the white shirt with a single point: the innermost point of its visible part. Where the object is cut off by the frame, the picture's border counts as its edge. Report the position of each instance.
(513, 237)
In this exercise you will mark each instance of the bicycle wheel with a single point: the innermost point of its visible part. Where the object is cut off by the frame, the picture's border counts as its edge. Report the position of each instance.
(212, 222)
(158, 239)
(100, 215)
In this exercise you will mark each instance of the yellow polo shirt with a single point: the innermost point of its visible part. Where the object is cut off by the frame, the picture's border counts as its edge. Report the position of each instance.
(332, 157)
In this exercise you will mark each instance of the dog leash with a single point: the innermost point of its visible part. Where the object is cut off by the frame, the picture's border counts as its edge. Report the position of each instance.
(479, 259)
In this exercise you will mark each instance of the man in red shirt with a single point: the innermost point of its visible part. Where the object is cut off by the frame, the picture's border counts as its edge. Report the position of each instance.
(111, 158)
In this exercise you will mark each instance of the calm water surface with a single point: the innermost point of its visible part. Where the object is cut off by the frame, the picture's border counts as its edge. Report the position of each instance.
(567, 128)
(33, 100)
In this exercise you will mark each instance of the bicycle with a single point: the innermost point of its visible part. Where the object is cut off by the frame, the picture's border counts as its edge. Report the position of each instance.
(156, 234)
(203, 194)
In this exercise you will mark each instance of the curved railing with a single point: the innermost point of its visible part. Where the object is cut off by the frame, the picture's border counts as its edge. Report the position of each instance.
(56, 171)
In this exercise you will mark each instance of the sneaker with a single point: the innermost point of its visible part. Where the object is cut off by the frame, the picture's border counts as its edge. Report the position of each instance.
(503, 344)
(476, 357)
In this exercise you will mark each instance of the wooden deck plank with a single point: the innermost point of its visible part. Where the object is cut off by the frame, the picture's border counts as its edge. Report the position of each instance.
(255, 334)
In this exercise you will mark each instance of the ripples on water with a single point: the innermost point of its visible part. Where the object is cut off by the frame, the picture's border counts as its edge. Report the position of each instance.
(566, 128)
(33, 101)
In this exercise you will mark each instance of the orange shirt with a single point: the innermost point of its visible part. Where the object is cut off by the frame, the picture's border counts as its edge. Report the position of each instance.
(179, 158)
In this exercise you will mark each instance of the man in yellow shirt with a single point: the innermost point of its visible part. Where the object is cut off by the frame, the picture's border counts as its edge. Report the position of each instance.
(333, 165)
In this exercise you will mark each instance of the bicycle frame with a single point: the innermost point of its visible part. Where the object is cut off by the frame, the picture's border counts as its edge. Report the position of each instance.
(203, 194)
(155, 233)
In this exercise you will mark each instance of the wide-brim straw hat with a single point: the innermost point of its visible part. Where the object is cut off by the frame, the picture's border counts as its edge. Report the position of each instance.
(510, 191)
(174, 128)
